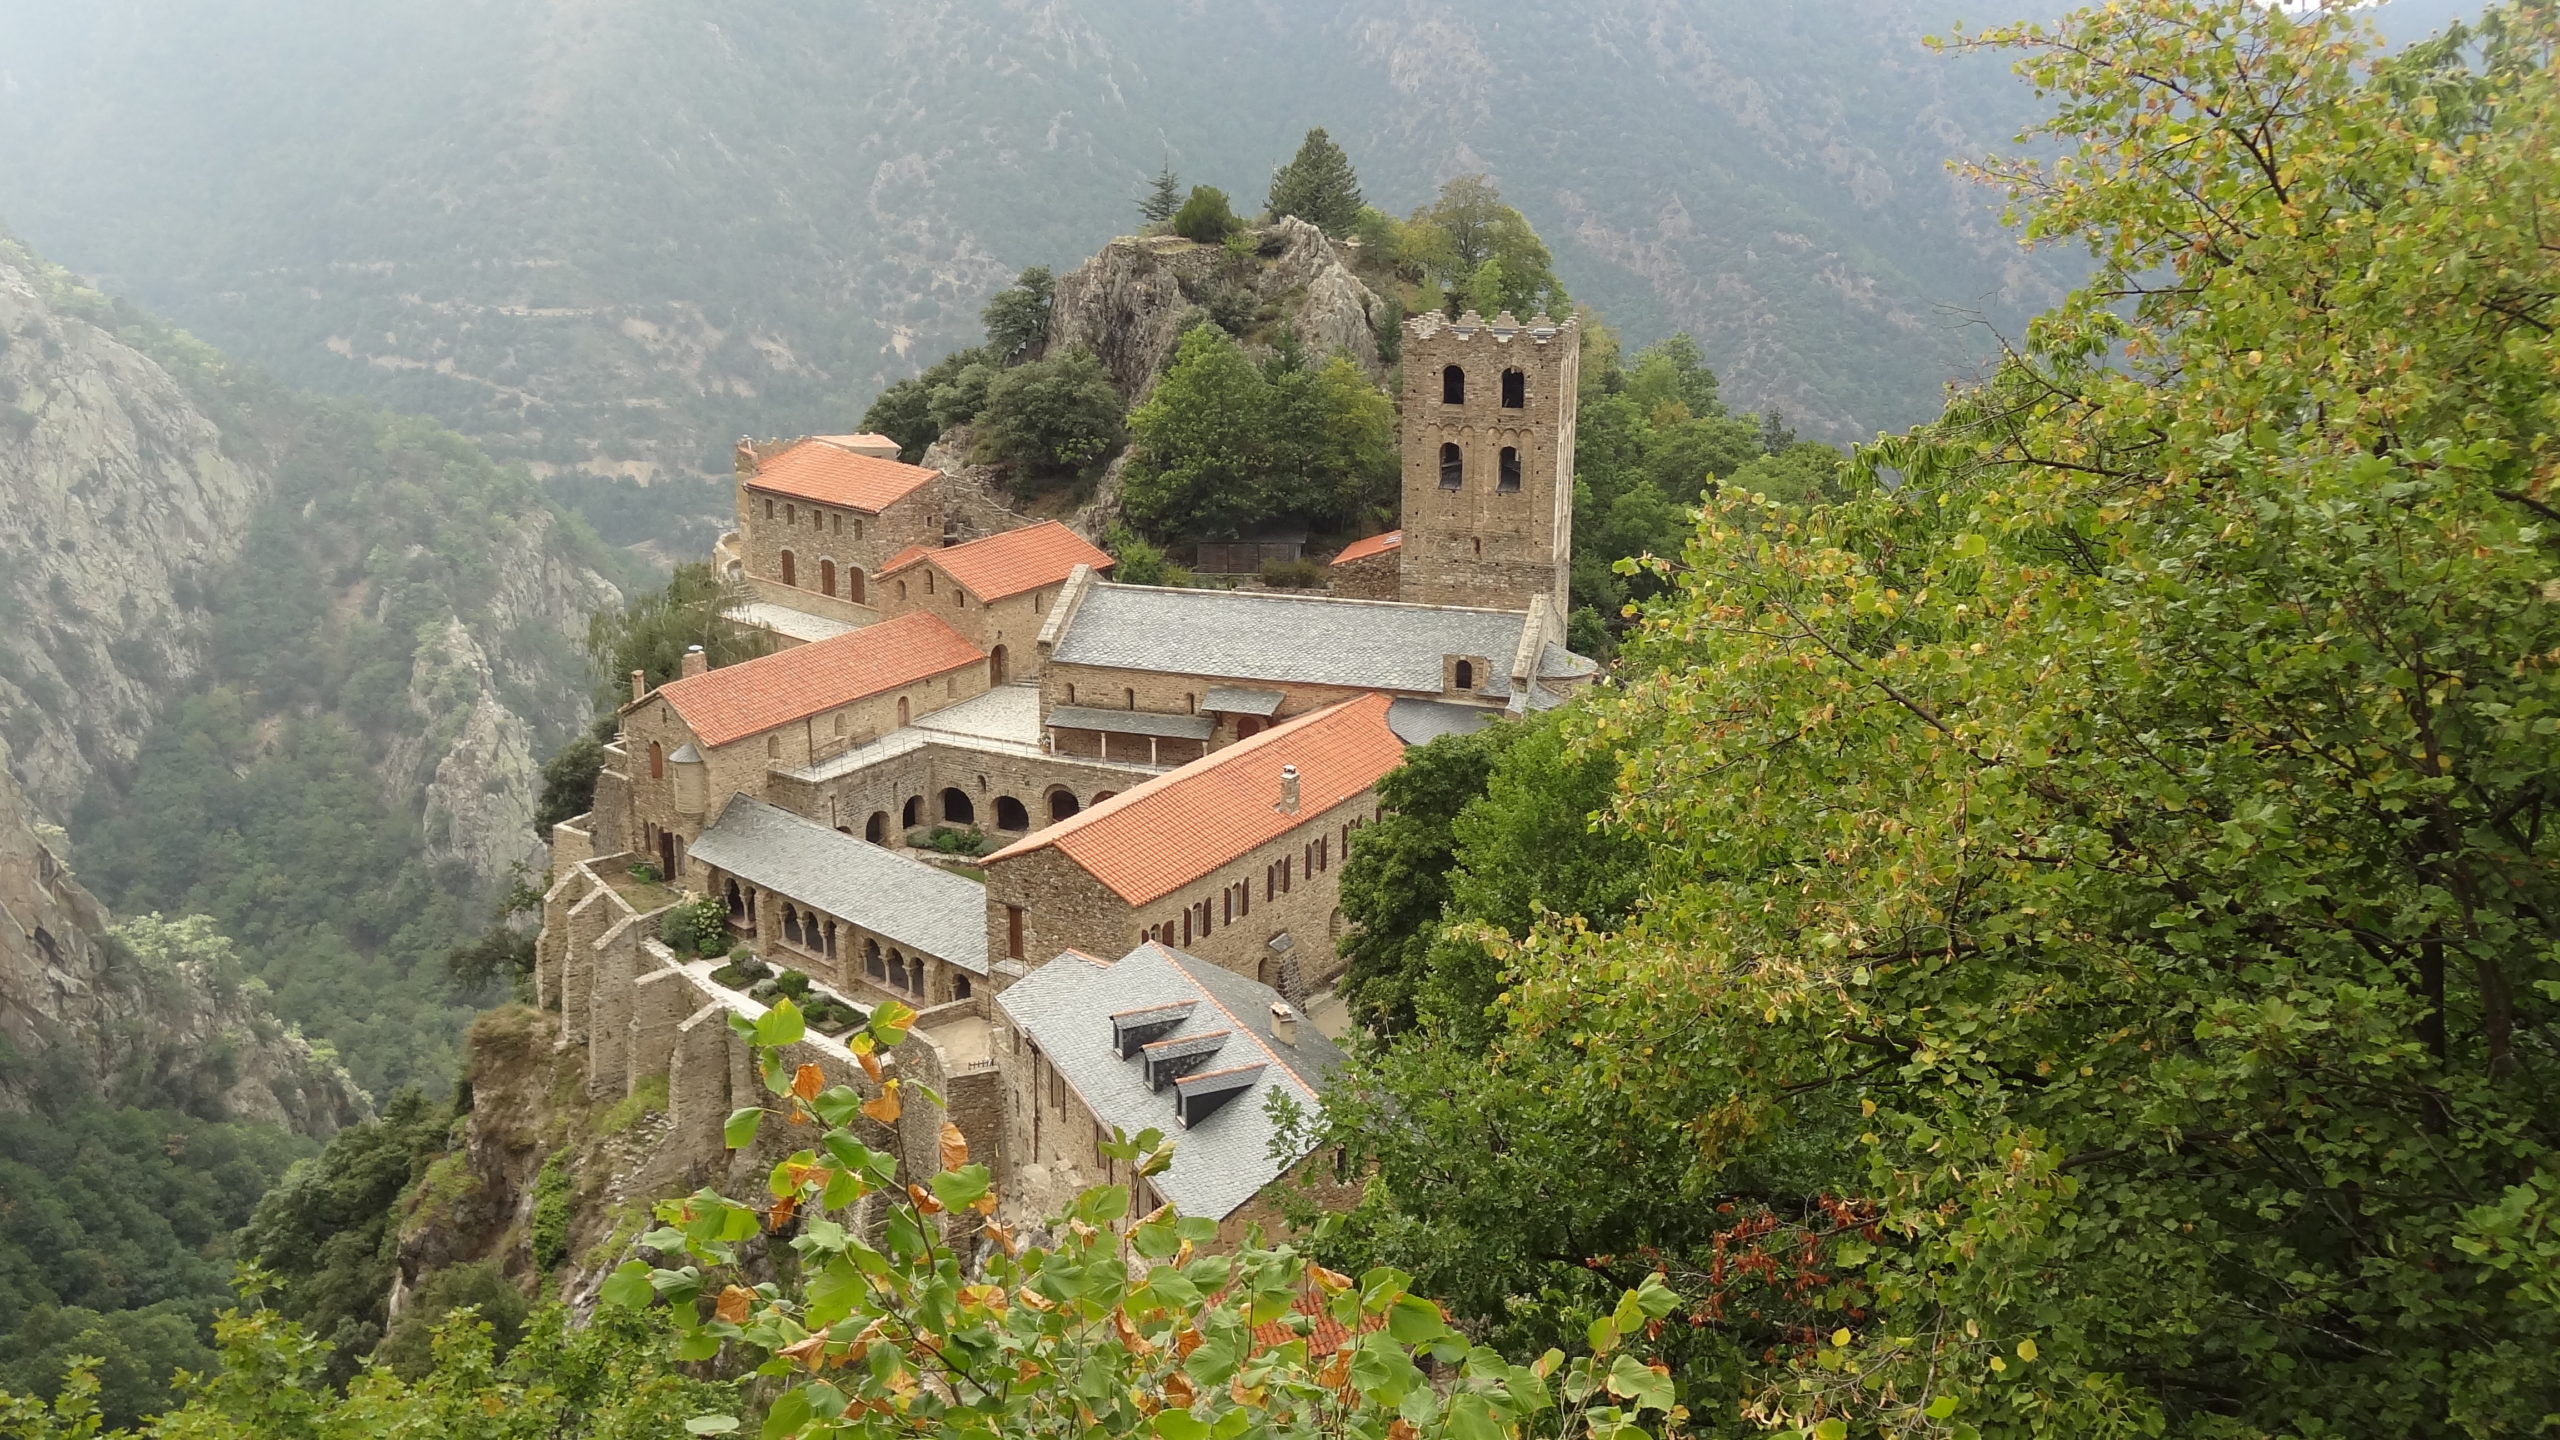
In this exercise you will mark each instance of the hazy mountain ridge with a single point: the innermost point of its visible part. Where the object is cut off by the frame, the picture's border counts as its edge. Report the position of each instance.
(615, 236)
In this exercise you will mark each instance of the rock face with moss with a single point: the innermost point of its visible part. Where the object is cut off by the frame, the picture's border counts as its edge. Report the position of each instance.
(152, 1013)
(1130, 303)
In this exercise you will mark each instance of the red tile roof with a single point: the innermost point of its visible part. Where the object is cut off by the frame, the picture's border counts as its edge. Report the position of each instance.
(816, 469)
(737, 701)
(1010, 563)
(1325, 1335)
(1374, 545)
(1148, 842)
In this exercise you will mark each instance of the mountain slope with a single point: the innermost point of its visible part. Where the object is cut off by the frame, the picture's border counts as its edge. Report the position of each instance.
(286, 662)
(611, 236)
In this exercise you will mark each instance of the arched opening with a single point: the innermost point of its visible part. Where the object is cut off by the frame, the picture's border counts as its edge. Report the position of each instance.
(1453, 386)
(995, 666)
(1466, 675)
(853, 589)
(1508, 476)
(876, 830)
(737, 903)
(902, 710)
(1101, 795)
(871, 962)
(898, 970)
(1515, 390)
(1012, 814)
(956, 808)
(789, 572)
(827, 578)
(1453, 467)
(959, 987)
(791, 925)
(1062, 804)
(657, 761)
(914, 811)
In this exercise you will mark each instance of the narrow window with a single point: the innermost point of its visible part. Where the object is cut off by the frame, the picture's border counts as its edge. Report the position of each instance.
(1453, 386)
(902, 590)
(1515, 390)
(1186, 924)
(657, 761)
(853, 584)
(790, 514)
(1466, 678)
(1479, 542)
(1227, 905)
(836, 523)
(1508, 476)
(827, 577)
(902, 717)
(1132, 697)
(857, 527)
(1013, 931)
(1453, 476)
(768, 509)
(928, 582)
(789, 572)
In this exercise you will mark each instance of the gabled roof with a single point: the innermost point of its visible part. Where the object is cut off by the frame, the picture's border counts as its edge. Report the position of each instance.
(1148, 842)
(1374, 545)
(820, 469)
(903, 901)
(1254, 635)
(736, 701)
(1222, 1159)
(1009, 563)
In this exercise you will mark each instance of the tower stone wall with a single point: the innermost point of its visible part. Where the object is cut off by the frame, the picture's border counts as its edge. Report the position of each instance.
(1496, 527)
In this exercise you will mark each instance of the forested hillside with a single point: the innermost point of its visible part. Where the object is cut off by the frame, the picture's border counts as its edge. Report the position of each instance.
(612, 238)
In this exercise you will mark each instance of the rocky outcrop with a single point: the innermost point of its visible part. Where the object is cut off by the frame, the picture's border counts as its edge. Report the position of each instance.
(1130, 303)
(153, 1014)
(118, 504)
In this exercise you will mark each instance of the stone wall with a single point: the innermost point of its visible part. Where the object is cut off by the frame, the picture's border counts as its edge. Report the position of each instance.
(1478, 544)
(884, 788)
(1063, 907)
(856, 542)
(1011, 625)
(1372, 577)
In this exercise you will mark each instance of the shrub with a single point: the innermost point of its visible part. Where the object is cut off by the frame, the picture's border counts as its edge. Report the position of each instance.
(1206, 217)
(1052, 420)
(646, 873)
(1293, 574)
(958, 842)
(550, 1236)
(793, 983)
(698, 926)
(1141, 562)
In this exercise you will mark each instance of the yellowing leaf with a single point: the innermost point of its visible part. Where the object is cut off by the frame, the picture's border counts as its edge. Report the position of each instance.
(884, 1106)
(2026, 1349)
(807, 1081)
(734, 1303)
(955, 1147)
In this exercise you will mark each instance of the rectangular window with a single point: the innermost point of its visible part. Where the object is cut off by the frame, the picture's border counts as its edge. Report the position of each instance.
(1186, 924)
(1284, 876)
(1227, 904)
(1013, 931)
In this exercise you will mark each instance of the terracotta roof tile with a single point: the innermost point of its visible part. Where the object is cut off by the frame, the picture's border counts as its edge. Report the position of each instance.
(736, 701)
(820, 470)
(1324, 1336)
(1148, 842)
(1374, 545)
(1008, 564)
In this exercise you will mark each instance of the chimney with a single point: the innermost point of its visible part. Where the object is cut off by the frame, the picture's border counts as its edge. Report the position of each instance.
(695, 662)
(639, 684)
(1284, 1023)
(1288, 790)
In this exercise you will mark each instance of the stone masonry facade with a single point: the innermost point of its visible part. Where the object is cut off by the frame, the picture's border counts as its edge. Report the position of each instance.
(1487, 434)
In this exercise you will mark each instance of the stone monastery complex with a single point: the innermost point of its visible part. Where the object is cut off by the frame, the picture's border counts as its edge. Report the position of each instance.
(1172, 778)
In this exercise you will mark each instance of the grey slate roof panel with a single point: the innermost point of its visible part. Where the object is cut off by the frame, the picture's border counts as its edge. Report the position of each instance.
(1132, 722)
(901, 900)
(1242, 700)
(1419, 722)
(1256, 635)
(1065, 1007)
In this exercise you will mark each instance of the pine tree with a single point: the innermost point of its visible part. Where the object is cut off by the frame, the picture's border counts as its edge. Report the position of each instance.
(1164, 198)
(1318, 186)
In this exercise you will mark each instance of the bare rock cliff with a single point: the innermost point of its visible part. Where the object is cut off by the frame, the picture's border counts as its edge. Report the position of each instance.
(1130, 303)
(118, 504)
(84, 1013)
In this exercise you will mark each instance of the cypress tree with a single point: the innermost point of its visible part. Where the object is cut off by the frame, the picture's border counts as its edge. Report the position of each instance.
(1318, 186)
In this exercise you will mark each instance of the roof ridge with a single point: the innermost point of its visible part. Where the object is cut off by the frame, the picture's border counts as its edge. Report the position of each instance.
(1275, 597)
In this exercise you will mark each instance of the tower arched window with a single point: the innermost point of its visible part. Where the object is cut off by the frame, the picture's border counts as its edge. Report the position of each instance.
(1453, 385)
(1515, 390)
(1453, 470)
(1508, 477)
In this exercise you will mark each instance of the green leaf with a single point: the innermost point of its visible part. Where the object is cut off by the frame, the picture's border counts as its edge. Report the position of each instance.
(740, 1130)
(628, 1287)
(1942, 1407)
(1415, 1321)
(712, 1425)
(959, 1189)
(1471, 1417)
(790, 1411)
(781, 1025)
(1631, 1379)
(1832, 1429)
(1179, 1424)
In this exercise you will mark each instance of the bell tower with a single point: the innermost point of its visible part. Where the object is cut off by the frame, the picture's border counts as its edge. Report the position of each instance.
(1488, 420)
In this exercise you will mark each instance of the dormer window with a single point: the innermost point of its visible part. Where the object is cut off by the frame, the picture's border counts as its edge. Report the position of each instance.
(1464, 675)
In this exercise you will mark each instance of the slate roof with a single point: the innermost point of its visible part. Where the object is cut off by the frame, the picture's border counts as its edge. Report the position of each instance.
(906, 902)
(1011, 562)
(1133, 722)
(1374, 545)
(753, 696)
(1419, 722)
(1065, 1007)
(819, 469)
(1241, 700)
(1147, 842)
(1256, 635)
